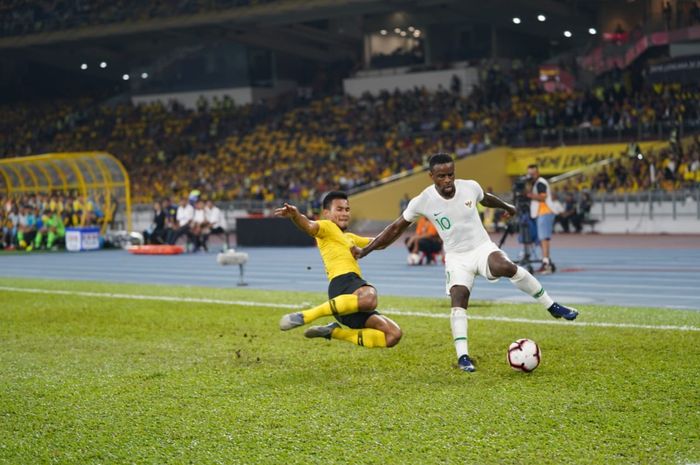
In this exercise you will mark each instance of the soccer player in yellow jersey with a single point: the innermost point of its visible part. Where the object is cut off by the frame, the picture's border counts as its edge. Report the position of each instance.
(352, 300)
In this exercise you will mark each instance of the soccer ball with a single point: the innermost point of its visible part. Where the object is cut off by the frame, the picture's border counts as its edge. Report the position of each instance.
(524, 355)
(413, 259)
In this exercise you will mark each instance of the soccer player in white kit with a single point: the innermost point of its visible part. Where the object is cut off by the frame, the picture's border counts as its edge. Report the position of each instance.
(450, 204)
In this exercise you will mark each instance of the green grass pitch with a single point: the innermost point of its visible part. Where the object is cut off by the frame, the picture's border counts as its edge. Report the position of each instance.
(107, 379)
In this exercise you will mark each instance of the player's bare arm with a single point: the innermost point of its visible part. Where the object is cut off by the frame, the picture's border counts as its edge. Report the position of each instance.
(384, 239)
(491, 201)
(300, 220)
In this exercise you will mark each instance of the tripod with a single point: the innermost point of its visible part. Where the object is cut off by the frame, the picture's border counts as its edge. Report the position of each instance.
(522, 224)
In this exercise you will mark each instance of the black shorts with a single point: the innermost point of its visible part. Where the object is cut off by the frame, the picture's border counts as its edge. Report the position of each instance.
(347, 284)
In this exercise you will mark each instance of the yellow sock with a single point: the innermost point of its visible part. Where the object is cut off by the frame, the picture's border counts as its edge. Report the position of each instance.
(341, 305)
(366, 337)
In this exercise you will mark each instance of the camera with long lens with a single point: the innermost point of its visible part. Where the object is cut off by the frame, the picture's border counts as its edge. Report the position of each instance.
(519, 189)
(522, 223)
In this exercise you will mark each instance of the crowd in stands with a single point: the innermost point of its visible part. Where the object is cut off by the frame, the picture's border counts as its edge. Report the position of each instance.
(147, 138)
(39, 221)
(523, 110)
(673, 168)
(259, 151)
(19, 17)
(343, 142)
(295, 148)
(25, 126)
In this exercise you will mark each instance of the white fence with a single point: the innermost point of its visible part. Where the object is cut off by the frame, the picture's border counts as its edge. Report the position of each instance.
(652, 212)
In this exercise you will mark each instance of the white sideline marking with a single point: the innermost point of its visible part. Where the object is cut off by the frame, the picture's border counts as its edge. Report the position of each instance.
(546, 322)
(163, 298)
(389, 311)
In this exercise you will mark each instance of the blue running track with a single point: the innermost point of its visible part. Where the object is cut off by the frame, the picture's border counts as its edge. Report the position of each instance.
(632, 276)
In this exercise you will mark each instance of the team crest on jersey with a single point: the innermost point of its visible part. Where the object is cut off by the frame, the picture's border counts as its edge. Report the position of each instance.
(468, 204)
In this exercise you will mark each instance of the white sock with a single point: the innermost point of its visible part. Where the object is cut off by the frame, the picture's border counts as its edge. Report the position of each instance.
(458, 321)
(527, 283)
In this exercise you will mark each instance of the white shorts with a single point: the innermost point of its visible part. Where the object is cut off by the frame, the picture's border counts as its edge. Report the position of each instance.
(461, 268)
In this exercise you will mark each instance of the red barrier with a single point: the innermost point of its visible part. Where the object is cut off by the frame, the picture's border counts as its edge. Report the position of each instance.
(157, 250)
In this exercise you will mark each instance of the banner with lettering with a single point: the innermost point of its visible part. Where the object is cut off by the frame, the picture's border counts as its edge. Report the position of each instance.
(563, 159)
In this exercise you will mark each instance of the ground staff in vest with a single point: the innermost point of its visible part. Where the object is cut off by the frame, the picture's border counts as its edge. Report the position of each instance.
(544, 210)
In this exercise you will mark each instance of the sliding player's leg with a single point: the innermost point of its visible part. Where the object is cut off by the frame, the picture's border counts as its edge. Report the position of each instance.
(347, 293)
(366, 328)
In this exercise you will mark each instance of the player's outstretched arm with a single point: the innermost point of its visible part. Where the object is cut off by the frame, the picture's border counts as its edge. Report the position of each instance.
(384, 239)
(310, 227)
(492, 201)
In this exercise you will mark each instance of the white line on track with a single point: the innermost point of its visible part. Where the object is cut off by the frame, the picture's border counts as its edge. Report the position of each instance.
(562, 280)
(559, 286)
(389, 311)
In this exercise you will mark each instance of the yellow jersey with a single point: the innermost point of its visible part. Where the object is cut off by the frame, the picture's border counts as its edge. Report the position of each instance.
(334, 246)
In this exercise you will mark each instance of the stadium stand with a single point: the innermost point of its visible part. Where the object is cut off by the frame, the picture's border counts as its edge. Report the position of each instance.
(233, 157)
(19, 17)
(609, 108)
(670, 169)
(293, 148)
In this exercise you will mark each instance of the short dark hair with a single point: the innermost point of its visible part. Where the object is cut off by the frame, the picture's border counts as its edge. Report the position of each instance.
(532, 166)
(331, 196)
(440, 159)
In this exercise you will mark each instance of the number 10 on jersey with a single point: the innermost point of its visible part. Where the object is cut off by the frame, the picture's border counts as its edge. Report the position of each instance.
(444, 223)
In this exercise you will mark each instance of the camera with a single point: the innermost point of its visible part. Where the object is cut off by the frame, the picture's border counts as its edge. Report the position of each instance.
(522, 223)
(519, 189)
(520, 184)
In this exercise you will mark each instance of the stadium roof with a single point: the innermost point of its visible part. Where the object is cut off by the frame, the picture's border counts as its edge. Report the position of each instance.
(289, 26)
(323, 31)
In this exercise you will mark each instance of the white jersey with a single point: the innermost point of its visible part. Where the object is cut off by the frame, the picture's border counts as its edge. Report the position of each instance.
(457, 219)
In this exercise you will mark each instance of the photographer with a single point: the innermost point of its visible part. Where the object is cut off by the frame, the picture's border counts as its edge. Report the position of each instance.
(527, 228)
(544, 210)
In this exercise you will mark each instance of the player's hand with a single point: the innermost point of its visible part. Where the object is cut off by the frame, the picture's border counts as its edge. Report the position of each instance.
(510, 211)
(287, 211)
(357, 252)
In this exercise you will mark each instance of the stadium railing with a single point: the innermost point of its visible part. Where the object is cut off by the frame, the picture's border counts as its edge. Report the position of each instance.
(673, 205)
(588, 135)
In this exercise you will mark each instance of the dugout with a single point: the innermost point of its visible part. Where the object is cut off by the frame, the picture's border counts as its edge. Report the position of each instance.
(97, 176)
